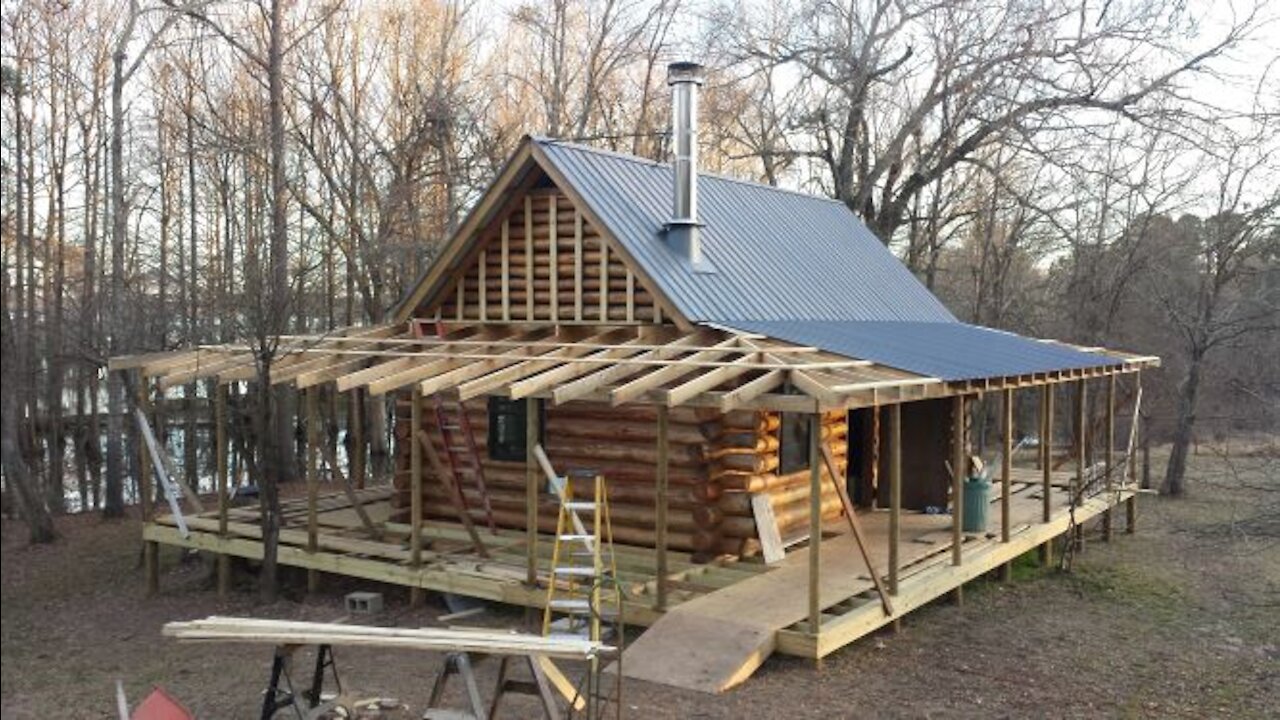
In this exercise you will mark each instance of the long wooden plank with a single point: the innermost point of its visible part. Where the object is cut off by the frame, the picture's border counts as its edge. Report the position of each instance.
(588, 384)
(851, 514)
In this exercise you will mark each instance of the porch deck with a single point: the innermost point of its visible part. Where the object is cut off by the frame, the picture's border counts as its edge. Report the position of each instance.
(723, 618)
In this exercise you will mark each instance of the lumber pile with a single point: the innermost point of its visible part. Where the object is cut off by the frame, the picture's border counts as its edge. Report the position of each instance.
(288, 632)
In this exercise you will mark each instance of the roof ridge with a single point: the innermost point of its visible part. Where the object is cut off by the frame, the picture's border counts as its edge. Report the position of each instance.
(544, 140)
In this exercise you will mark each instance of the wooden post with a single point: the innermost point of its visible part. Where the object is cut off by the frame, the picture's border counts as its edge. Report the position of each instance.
(220, 452)
(1131, 505)
(150, 549)
(531, 489)
(355, 420)
(895, 500)
(1006, 476)
(957, 478)
(1046, 466)
(1077, 486)
(660, 511)
(1108, 454)
(815, 520)
(958, 467)
(313, 479)
(415, 489)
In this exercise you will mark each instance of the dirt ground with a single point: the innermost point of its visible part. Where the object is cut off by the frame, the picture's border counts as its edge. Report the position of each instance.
(1179, 620)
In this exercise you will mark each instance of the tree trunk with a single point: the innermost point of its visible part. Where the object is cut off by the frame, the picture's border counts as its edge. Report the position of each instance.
(1188, 391)
(113, 503)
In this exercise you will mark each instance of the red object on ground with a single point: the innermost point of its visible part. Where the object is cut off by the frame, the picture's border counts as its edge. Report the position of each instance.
(159, 705)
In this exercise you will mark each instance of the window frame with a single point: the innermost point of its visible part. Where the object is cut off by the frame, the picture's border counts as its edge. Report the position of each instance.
(511, 449)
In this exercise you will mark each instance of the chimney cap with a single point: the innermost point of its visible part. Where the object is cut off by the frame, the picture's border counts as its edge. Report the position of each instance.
(684, 71)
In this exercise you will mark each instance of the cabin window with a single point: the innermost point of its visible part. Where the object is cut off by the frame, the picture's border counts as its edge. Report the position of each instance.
(793, 443)
(508, 420)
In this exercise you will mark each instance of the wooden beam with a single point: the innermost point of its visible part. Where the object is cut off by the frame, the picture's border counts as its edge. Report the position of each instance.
(528, 258)
(487, 383)
(805, 383)
(751, 390)
(415, 487)
(544, 381)
(629, 391)
(687, 390)
(958, 464)
(577, 264)
(815, 523)
(1046, 454)
(1082, 435)
(660, 509)
(851, 514)
(590, 383)
(470, 370)
(895, 495)
(531, 440)
(220, 453)
(506, 269)
(1006, 462)
(313, 472)
(1108, 454)
(1131, 505)
(552, 228)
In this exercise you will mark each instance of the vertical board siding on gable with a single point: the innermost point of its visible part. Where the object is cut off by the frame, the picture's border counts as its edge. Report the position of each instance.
(546, 262)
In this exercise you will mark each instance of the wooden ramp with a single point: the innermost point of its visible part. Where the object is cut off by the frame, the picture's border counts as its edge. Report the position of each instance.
(716, 641)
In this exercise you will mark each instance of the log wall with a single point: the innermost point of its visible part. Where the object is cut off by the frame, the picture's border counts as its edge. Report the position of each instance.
(716, 461)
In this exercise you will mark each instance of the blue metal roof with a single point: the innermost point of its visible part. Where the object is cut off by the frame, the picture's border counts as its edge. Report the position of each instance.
(950, 351)
(795, 267)
(776, 254)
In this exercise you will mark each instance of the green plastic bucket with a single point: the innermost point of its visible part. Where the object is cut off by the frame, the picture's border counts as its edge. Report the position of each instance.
(977, 498)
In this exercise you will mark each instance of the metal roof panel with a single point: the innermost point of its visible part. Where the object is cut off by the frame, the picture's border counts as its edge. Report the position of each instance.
(776, 254)
(951, 351)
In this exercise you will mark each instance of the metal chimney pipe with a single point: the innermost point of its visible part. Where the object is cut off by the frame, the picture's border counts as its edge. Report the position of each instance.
(682, 232)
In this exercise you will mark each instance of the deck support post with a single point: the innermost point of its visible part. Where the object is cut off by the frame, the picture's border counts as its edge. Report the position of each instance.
(355, 424)
(895, 499)
(150, 550)
(415, 488)
(1131, 505)
(815, 521)
(1006, 474)
(531, 490)
(220, 453)
(312, 400)
(1046, 467)
(1108, 455)
(958, 466)
(660, 509)
(1078, 485)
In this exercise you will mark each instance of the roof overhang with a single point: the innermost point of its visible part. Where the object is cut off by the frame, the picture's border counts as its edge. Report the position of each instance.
(653, 365)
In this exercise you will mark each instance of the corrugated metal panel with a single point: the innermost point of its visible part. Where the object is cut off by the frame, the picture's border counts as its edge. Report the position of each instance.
(948, 350)
(777, 255)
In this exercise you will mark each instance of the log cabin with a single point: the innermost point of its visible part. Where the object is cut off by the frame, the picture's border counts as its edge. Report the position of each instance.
(781, 412)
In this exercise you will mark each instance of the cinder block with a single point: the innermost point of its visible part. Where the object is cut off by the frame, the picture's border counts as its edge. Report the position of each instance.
(364, 603)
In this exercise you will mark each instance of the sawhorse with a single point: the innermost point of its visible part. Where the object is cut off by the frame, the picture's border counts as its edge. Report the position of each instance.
(459, 663)
(276, 698)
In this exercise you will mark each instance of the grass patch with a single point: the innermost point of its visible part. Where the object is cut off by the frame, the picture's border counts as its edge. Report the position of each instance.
(1131, 586)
